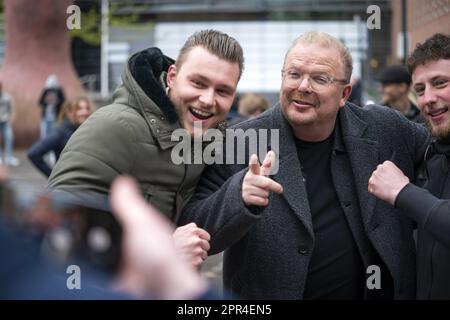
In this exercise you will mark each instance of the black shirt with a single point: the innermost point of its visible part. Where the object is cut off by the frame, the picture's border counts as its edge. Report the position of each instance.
(336, 270)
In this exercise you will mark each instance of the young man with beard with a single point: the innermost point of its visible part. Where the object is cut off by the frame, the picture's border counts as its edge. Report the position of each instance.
(428, 202)
(133, 135)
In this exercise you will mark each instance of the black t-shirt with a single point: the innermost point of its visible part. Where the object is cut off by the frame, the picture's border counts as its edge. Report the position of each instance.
(336, 269)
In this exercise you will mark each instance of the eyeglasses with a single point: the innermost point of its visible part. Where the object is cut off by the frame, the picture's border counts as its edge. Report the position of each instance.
(318, 81)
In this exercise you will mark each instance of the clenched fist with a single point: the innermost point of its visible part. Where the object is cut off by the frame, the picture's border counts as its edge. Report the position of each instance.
(387, 181)
(191, 243)
(257, 184)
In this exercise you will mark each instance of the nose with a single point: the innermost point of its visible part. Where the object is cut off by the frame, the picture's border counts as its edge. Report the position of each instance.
(207, 98)
(304, 84)
(429, 97)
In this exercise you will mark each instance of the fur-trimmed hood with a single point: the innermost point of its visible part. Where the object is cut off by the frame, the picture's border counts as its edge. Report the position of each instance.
(144, 80)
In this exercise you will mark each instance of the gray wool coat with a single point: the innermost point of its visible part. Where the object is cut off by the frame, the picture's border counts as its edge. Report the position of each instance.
(267, 251)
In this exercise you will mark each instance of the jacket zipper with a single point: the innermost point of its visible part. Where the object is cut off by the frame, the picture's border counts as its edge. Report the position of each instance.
(174, 214)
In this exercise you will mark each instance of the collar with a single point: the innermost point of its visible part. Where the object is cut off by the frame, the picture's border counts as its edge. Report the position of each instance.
(338, 143)
(348, 124)
(441, 146)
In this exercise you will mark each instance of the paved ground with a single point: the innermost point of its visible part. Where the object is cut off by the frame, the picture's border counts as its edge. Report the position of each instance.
(25, 178)
(28, 181)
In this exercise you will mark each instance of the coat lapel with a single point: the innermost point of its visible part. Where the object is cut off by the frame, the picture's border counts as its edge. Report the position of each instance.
(289, 173)
(364, 158)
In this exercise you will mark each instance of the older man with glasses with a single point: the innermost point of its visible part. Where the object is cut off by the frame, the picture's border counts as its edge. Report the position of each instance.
(312, 230)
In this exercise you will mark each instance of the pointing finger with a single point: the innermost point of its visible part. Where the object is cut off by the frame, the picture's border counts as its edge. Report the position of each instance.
(267, 163)
(254, 164)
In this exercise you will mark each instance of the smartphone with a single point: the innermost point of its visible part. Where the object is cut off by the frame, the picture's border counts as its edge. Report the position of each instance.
(91, 236)
(72, 227)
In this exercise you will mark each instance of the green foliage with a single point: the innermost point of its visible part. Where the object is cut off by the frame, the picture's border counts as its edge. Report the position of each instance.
(90, 31)
(124, 20)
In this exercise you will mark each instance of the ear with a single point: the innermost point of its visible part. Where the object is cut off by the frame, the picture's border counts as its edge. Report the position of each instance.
(171, 74)
(345, 94)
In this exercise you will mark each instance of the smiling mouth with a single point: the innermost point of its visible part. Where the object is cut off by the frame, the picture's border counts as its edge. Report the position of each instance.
(437, 112)
(305, 103)
(200, 114)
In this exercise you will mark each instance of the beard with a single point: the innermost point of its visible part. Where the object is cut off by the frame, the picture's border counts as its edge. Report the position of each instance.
(440, 132)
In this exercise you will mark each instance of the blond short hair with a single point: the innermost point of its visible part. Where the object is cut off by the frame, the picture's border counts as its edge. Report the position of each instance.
(325, 40)
(216, 42)
(71, 105)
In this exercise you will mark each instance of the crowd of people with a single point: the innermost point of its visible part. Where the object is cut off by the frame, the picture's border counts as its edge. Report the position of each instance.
(352, 185)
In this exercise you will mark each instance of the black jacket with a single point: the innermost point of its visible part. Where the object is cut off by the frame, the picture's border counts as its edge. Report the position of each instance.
(55, 142)
(430, 208)
(60, 99)
(413, 113)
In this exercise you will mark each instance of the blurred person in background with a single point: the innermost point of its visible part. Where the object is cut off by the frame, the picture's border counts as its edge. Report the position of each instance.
(51, 100)
(395, 83)
(356, 94)
(6, 111)
(428, 201)
(252, 104)
(74, 112)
